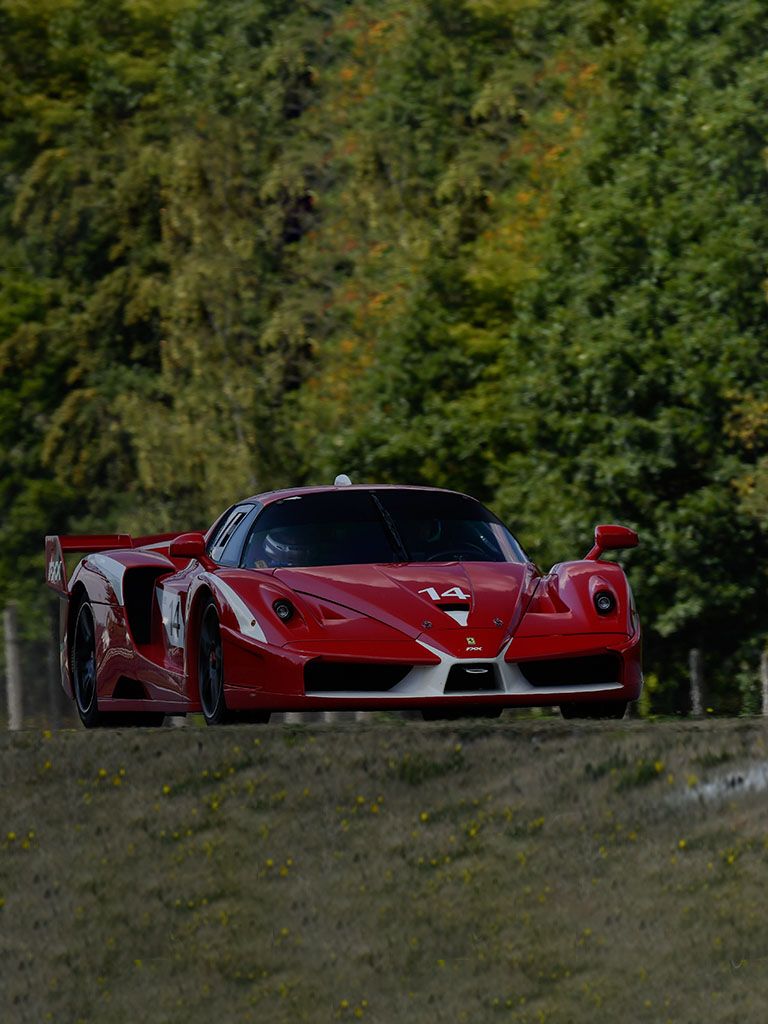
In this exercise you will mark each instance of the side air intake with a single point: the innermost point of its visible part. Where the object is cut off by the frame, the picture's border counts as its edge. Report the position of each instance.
(129, 689)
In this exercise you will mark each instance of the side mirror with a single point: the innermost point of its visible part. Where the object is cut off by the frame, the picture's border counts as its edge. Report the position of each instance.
(188, 545)
(611, 538)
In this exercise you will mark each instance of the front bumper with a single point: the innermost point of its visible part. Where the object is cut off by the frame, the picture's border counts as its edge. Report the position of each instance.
(527, 673)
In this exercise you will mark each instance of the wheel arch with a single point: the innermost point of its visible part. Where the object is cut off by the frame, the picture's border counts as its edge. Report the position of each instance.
(199, 600)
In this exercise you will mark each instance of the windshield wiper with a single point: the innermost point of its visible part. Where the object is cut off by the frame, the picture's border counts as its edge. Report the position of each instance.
(389, 522)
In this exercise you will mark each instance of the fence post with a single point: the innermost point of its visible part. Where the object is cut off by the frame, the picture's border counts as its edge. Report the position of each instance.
(12, 667)
(764, 679)
(53, 667)
(695, 666)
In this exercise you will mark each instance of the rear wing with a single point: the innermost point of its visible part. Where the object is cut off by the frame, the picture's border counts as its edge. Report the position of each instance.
(58, 547)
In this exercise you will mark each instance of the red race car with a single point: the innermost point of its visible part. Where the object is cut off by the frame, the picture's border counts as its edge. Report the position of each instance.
(343, 597)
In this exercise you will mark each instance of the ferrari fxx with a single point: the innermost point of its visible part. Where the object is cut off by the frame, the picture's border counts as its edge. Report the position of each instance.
(343, 597)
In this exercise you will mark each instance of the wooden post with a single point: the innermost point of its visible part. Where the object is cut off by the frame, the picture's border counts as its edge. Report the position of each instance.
(764, 679)
(53, 667)
(12, 667)
(698, 698)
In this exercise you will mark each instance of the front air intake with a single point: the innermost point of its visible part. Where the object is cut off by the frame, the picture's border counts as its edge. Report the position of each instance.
(352, 677)
(565, 672)
(475, 677)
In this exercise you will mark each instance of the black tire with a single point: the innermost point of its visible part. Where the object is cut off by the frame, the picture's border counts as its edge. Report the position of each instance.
(210, 667)
(84, 680)
(83, 665)
(595, 709)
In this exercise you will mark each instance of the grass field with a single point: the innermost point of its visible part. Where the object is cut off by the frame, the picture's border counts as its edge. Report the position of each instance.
(529, 870)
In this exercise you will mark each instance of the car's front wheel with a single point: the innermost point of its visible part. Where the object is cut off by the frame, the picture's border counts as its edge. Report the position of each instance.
(210, 667)
(594, 709)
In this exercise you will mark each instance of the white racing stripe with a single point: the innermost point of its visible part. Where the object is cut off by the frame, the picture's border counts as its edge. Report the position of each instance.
(173, 621)
(460, 617)
(246, 620)
(112, 570)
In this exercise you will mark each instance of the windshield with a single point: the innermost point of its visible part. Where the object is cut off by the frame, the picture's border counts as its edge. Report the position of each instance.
(385, 526)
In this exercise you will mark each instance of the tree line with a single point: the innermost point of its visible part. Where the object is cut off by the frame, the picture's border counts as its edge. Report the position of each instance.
(513, 247)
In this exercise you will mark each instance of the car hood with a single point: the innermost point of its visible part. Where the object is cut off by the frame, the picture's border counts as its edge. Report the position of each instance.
(448, 595)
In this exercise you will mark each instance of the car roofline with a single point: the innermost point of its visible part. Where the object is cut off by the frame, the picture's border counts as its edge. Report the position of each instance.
(269, 497)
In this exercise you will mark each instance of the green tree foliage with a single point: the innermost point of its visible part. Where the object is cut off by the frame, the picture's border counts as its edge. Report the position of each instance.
(515, 247)
(578, 353)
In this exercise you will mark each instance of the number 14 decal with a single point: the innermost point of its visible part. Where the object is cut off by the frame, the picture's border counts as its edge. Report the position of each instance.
(451, 592)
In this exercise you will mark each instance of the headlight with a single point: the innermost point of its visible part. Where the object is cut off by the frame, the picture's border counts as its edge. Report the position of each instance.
(284, 610)
(605, 602)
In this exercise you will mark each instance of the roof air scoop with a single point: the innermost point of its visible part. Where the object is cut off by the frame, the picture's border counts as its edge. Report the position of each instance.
(342, 480)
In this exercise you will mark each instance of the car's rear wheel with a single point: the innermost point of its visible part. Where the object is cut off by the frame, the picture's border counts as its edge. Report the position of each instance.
(594, 709)
(83, 664)
(84, 679)
(210, 667)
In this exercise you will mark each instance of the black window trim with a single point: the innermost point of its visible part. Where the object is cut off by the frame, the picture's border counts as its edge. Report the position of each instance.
(251, 511)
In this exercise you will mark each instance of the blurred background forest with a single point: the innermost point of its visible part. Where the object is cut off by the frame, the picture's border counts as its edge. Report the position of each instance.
(513, 247)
